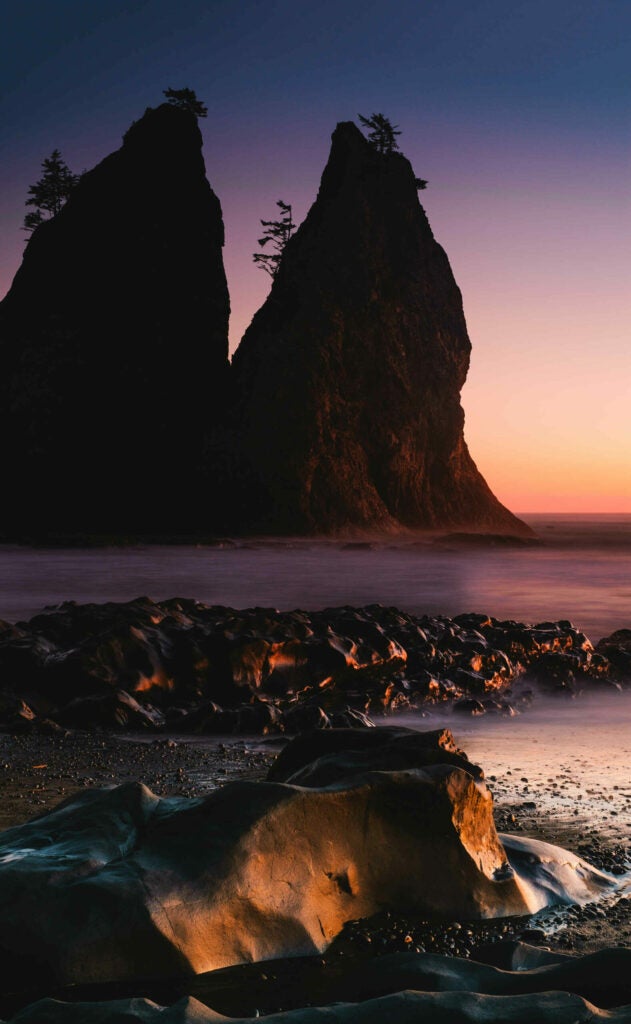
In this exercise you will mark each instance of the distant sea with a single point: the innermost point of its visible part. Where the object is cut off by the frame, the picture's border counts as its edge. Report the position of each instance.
(580, 571)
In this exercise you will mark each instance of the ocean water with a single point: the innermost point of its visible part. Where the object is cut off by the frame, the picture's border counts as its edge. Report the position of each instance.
(570, 757)
(580, 571)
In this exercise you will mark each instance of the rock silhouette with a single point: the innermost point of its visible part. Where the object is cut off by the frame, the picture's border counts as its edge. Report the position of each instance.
(340, 413)
(114, 346)
(348, 379)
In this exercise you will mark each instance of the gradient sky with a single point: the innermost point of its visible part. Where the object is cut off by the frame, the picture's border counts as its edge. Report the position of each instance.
(518, 113)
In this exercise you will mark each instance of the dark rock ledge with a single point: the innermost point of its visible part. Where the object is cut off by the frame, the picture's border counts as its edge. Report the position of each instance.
(187, 667)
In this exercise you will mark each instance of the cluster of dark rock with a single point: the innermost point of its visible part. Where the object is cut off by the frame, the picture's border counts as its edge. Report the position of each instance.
(617, 650)
(189, 667)
(340, 411)
(117, 904)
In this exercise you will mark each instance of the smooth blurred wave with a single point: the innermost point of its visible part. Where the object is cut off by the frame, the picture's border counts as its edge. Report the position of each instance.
(580, 571)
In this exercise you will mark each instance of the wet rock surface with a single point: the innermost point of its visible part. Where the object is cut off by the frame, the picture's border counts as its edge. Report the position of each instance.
(322, 758)
(617, 649)
(369, 961)
(366, 983)
(404, 1007)
(184, 666)
(119, 884)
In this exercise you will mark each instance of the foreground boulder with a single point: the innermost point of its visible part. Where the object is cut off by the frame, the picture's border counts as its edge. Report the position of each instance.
(120, 884)
(317, 759)
(114, 347)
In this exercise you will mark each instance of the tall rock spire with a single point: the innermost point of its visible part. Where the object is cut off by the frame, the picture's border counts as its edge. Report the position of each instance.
(114, 346)
(349, 376)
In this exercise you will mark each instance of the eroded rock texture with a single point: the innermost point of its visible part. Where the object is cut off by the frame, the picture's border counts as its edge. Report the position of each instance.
(120, 884)
(197, 668)
(349, 376)
(114, 347)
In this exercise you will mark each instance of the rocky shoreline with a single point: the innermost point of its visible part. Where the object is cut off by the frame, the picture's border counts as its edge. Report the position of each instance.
(348, 664)
(182, 666)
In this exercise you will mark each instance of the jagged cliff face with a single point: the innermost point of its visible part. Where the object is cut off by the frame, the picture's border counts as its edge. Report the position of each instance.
(349, 376)
(121, 415)
(114, 346)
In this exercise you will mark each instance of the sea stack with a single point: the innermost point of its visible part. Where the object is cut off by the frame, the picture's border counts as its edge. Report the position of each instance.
(349, 376)
(114, 346)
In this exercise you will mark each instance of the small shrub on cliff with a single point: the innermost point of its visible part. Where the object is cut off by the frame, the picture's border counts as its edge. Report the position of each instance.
(50, 193)
(278, 232)
(186, 99)
(382, 133)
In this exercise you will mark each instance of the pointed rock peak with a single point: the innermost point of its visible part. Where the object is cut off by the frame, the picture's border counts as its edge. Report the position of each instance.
(161, 125)
(349, 140)
(353, 158)
(348, 379)
(348, 137)
(114, 345)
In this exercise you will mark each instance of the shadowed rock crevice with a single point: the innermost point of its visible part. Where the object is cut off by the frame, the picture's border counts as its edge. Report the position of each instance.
(438, 990)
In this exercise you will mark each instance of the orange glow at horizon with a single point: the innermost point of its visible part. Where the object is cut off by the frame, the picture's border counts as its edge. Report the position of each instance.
(541, 257)
(546, 421)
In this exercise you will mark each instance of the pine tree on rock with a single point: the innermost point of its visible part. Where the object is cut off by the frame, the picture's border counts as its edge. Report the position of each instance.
(382, 136)
(49, 194)
(186, 99)
(382, 133)
(278, 232)
(32, 220)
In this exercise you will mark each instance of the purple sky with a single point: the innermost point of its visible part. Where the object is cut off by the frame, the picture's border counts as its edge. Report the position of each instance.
(518, 113)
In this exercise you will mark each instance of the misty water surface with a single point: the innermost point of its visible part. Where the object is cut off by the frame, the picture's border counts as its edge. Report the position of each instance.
(581, 572)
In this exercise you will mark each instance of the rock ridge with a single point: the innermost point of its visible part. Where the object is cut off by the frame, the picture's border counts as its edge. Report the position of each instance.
(348, 379)
(340, 413)
(114, 345)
